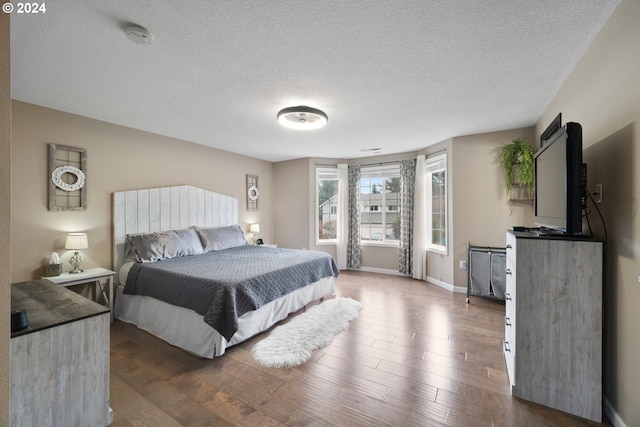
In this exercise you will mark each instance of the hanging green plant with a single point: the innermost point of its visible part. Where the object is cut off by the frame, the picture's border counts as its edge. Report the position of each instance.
(516, 160)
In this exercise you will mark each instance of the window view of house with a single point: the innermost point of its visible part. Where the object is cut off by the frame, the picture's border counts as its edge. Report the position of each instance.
(437, 203)
(380, 204)
(327, 203)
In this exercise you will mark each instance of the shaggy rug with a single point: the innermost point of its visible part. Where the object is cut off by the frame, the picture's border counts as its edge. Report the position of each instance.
(293, 343)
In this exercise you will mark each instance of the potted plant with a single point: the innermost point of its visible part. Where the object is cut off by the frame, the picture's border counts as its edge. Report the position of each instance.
(516, 159)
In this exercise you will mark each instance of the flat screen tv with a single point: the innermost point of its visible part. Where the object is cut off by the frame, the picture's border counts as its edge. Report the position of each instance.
(559, 181)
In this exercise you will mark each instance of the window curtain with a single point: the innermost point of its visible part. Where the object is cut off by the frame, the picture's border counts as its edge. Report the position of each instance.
(354, 254)
(407, 191)
(419, 270)
(342, 237)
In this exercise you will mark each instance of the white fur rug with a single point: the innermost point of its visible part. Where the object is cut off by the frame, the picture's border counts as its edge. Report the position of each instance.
(293, 343)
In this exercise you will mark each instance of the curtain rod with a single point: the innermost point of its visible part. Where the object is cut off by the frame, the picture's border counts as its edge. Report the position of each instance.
(435, 152)
(381, 163)
(365, 164)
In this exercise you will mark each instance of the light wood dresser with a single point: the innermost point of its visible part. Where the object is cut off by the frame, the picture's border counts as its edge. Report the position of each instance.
(553, 322)
(60, 362)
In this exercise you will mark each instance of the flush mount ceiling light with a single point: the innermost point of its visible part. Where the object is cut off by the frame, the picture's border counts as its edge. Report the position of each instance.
(303, 118)
(139, 35)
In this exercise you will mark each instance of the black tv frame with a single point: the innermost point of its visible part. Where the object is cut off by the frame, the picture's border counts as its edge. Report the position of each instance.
(573, 181)
(551, 129)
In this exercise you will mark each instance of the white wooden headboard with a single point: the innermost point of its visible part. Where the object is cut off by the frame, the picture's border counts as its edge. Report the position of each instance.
(167, 208)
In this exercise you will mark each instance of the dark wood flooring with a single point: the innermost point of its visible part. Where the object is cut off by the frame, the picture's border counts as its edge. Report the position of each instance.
(418, 355)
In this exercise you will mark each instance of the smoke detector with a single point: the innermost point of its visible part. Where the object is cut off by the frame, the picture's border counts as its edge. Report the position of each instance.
(139, 35)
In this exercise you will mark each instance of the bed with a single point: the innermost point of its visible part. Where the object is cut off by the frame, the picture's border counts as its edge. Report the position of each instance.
(188, 237)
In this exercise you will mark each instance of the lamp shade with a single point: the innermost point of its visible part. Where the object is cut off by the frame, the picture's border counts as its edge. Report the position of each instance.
(76, 241)
(254, 228)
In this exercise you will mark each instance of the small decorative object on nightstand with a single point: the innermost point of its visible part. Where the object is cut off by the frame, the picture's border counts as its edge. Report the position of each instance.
(76, 241)
(54, 268)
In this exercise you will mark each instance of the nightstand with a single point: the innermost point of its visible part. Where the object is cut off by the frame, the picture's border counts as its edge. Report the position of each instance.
(90, 275)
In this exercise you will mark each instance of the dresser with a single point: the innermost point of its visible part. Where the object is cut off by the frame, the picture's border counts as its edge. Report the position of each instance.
(553, 322)
(60, 362)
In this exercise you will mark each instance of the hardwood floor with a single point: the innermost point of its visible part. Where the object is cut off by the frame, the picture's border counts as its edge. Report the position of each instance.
(418, 355)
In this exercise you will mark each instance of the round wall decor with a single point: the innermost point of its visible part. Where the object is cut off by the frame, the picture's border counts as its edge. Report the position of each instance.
(56, 178)
(253, 193)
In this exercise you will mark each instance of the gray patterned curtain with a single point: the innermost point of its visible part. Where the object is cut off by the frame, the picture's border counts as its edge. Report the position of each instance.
(407, 190)
(354, 255)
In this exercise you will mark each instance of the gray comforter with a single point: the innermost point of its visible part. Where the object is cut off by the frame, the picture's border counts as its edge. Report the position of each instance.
(223, 285)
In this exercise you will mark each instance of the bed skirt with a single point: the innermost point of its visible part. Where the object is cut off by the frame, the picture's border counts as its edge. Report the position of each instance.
(186, 329)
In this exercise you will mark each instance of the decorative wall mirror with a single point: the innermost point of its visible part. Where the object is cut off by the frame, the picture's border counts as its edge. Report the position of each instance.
(67, 178)
(252, 192)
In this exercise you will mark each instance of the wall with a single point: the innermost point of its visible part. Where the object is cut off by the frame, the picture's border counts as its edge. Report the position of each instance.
(603, 94)
(119, 158)
(5, 215)
(481, 209)
(291, 207)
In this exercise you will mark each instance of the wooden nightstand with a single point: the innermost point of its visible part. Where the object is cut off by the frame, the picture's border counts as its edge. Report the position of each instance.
(90, 275)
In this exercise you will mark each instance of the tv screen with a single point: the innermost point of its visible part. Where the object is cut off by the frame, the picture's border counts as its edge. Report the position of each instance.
(558, 181)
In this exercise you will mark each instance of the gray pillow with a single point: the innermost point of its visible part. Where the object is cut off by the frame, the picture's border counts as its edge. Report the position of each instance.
(215, 239)
(150, 247)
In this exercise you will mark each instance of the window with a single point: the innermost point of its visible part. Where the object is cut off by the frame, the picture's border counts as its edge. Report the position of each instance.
(327, 204)
(436, 175)
(380, 198)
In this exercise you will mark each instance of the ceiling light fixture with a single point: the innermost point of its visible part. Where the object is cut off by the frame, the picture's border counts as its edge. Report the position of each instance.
(303, 118)
(139, 35)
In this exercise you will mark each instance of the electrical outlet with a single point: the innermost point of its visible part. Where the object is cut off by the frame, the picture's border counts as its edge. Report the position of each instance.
(463, 264)
(598, 194)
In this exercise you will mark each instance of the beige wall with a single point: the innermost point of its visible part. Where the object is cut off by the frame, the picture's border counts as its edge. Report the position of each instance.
(5, 214)
(291, 208)
(603, 94)
(119, 158)
(482, 211)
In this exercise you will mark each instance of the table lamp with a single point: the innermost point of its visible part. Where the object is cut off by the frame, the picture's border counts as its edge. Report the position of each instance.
(76, 241)
(255, 229)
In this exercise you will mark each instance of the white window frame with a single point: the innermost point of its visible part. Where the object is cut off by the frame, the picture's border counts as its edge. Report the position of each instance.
(381, 171)
(323, 171)
(434, 165)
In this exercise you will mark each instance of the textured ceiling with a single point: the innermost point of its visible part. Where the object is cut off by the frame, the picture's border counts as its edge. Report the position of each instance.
(398, 75)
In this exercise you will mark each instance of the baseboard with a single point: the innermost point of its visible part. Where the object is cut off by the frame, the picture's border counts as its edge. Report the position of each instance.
(444, 285)
(382, 271)
(440, 283)
(611, 413)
